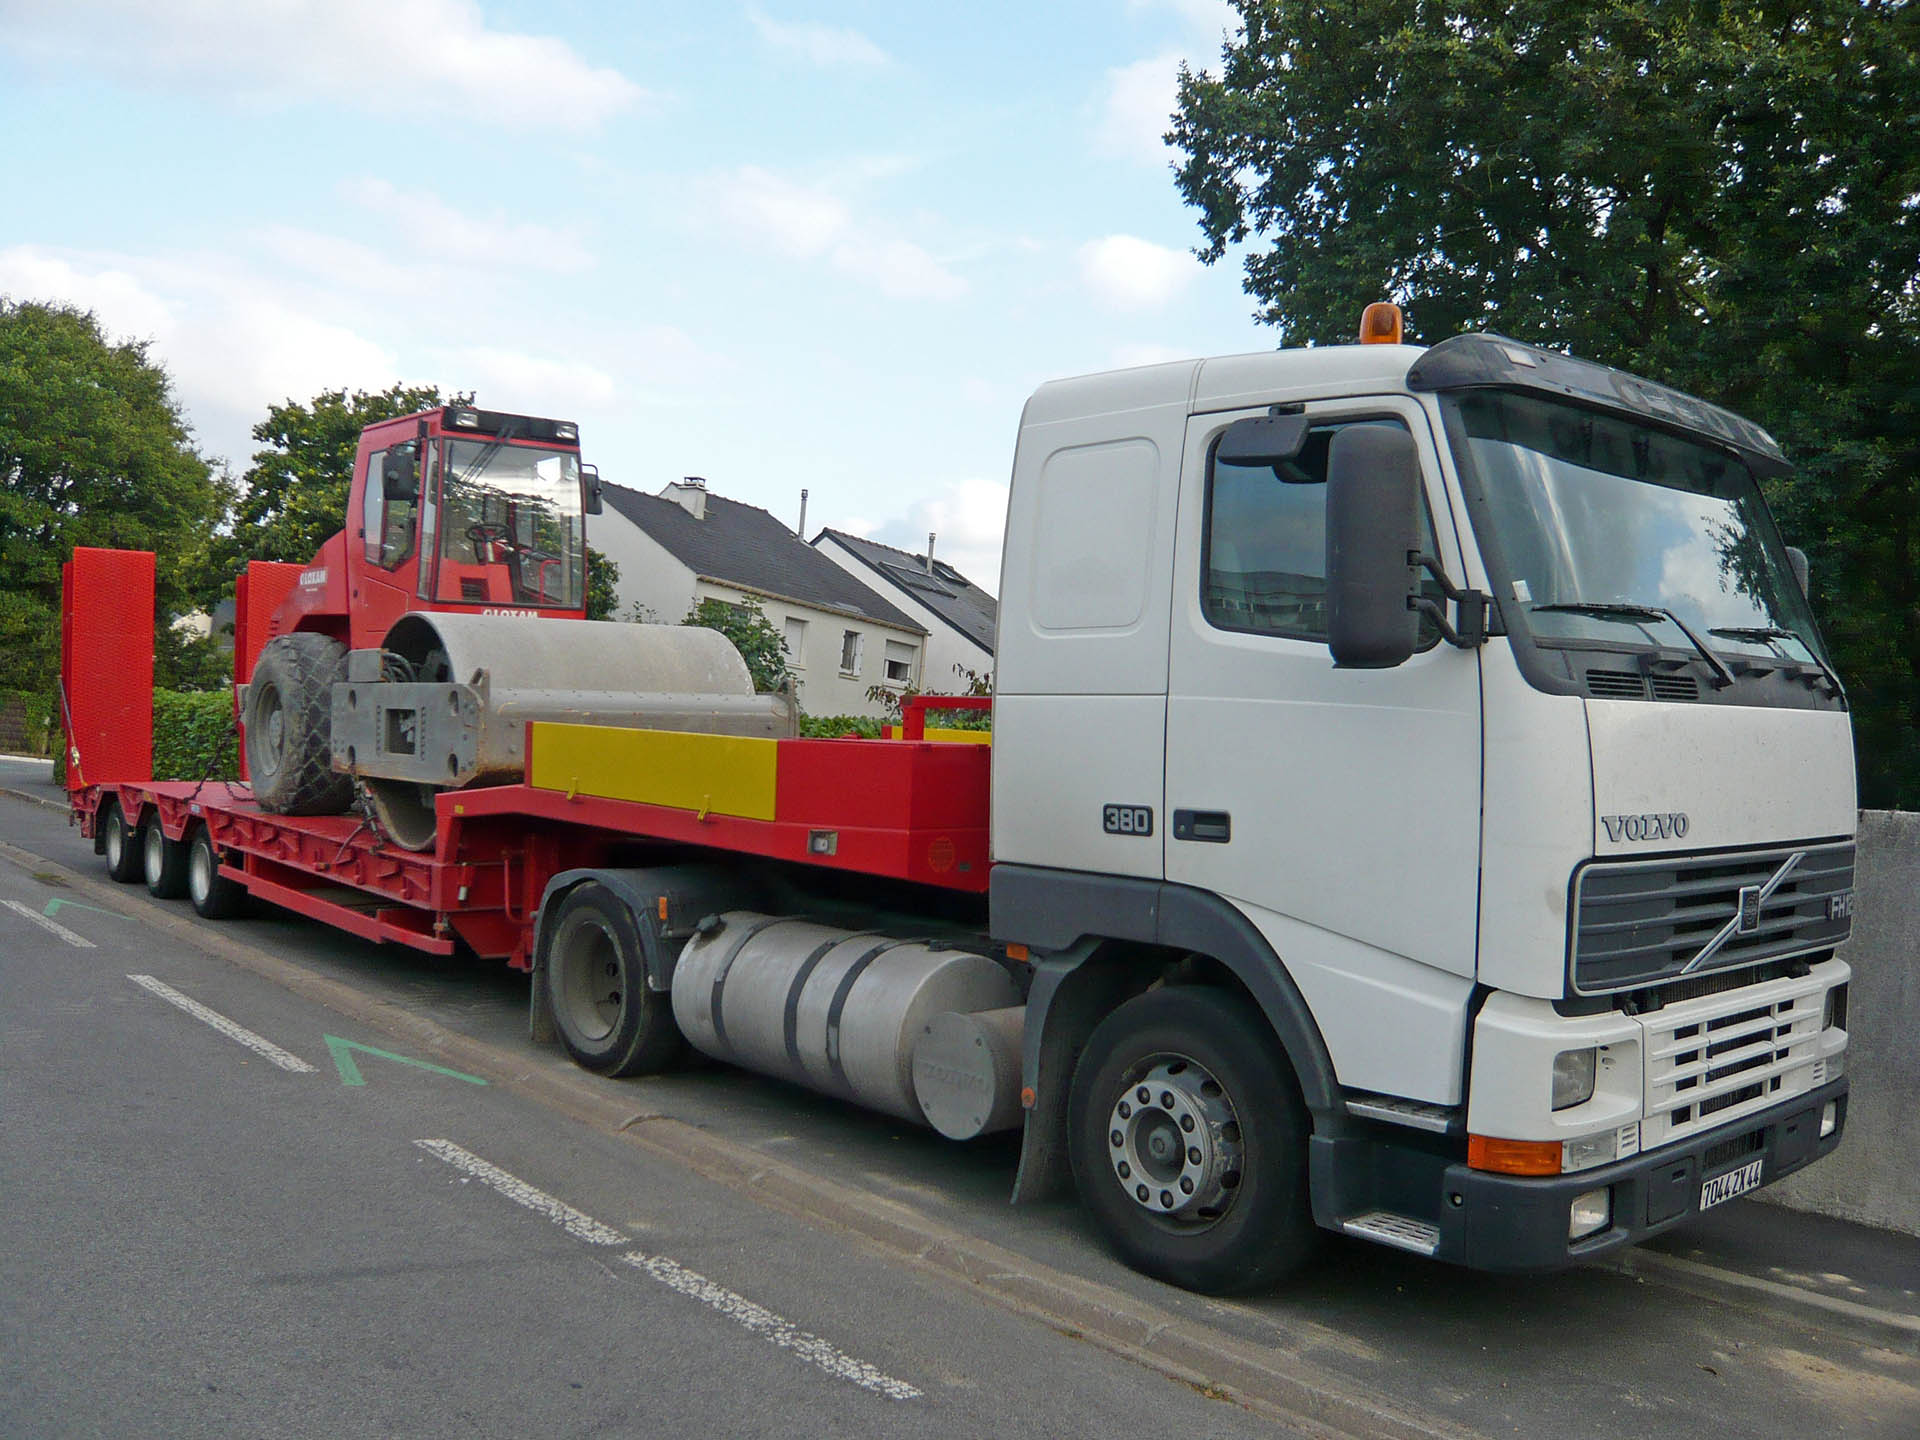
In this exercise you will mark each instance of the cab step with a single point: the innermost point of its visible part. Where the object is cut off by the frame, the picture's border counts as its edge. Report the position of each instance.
(1402, 1232)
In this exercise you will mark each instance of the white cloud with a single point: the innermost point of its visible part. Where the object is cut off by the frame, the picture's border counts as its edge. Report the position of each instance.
(811, 222)
(1134, 274)
(463, 235)
(526, 384)
(404, 56)
(232, 344)
(823, 45)
(1138, 108)
(970, 519)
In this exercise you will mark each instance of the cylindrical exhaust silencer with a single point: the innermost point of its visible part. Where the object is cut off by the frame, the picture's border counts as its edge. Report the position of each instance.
(966, 1072)
(838, 1011)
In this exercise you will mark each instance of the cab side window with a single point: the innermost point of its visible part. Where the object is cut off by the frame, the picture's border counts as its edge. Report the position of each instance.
(1265, 563)
(388, 521)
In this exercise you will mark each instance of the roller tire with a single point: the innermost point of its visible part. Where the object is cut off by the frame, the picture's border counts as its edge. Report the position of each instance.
(289, 720)
(162, 861)
(213, 895)
(1264, 1229)
(119, 844)
(608, 1019)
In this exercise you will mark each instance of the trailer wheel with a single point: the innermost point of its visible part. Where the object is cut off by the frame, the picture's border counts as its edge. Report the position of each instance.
(163, 862)
(214, 896)
(123, 856)
(608, 1018)
(1188, 1140)
(289, 723)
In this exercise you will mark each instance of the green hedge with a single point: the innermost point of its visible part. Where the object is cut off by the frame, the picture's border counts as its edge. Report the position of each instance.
(192, 729)
(24, 722)
(832, 727)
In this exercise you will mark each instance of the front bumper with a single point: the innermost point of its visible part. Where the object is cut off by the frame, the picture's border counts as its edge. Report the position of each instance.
(1519, 1224)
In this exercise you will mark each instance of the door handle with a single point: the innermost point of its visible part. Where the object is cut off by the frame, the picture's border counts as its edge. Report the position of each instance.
(1212, 826)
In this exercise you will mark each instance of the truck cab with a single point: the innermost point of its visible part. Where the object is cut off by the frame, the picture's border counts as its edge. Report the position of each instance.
(1462, 712)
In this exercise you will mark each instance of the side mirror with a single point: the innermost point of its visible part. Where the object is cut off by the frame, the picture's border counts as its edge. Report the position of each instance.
(399, 474)
(1802, 571)
(1262, 440)
(1373, 527)
(590, 501)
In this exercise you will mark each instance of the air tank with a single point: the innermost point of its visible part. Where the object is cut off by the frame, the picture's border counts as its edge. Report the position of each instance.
(838, 1011)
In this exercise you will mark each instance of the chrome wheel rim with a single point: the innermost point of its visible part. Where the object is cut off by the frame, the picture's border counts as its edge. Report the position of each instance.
(1174, 1142)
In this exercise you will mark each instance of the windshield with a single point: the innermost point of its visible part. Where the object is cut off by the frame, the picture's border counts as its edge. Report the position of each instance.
(511, 531)
(1603, 525)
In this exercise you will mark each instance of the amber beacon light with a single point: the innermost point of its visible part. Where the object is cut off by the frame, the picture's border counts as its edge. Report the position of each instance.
(1380, 324)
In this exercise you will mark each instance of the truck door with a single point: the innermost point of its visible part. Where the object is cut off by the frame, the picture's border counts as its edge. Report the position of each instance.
(1338, 809)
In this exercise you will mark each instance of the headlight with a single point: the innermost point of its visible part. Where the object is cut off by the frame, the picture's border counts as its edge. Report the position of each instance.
(1573, 1072)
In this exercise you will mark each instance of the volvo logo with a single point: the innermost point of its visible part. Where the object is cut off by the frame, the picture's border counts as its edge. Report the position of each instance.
(1671, 826)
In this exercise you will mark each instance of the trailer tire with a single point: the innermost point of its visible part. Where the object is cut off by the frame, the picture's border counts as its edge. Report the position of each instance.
(289, 722)
(213, 895)
(162, 861)
(609, 1019)
(117, 843)
(1237, 1218)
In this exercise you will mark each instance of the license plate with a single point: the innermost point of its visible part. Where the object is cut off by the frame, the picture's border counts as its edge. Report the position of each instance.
(1734, 1182)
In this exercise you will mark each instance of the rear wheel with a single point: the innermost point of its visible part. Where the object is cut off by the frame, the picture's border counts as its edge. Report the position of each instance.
(123, 855)
(214, 896)
(289, 725)
(1188, 1141)
(608, 1018)
(163, 861)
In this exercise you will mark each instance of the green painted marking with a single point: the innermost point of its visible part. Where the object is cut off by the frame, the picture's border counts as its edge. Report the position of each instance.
(55, 906)
(349, 1069)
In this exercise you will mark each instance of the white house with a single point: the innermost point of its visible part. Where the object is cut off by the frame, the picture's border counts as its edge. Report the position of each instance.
(958, 615)
(687, 544)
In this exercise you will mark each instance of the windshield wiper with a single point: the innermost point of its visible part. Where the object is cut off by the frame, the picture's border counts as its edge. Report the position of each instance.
(1777, 632)
(1628, 610)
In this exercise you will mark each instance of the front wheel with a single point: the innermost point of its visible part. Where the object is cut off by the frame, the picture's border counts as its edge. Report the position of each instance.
(1188, 1140)
(116, 839)
(608, 1018)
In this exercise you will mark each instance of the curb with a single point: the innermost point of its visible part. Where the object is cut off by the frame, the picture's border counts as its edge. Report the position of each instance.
(32, 799)
(1270, 1380)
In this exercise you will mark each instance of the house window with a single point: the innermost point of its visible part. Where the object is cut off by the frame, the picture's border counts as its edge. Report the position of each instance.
(850, 646)
(899, 663)
(795, 636)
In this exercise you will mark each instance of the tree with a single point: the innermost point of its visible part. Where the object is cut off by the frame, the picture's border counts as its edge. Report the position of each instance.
(93, 451)
(746, 625)
(1720, 198)
(603, 585)
(295, 494)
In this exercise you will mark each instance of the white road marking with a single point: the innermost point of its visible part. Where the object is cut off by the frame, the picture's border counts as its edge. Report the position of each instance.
(763, 1322)
(737, 1308)
(52, 927)
(260, 1046)
(575, 1222)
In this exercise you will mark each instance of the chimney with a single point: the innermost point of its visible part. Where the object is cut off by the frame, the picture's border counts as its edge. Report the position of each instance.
(689, 494)
(801, 530)
(931, 537)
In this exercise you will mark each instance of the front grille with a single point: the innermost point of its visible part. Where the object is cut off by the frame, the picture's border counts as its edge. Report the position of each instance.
(1638, 922)
(1711, 1060)
(1725, 1152)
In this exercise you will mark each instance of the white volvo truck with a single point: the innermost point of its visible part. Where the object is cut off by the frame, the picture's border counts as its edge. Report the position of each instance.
(1418, 774)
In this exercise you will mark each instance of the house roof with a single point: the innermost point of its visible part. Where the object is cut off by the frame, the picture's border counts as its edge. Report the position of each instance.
(743, 545)
(942, 589)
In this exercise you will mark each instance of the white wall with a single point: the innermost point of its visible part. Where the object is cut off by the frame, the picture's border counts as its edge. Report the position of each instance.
(945, 646)
(650, 575)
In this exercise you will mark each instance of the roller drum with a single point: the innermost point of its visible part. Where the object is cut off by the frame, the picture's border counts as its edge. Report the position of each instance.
(838, 1011)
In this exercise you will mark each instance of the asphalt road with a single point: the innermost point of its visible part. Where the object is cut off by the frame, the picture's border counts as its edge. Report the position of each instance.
(206, 1243)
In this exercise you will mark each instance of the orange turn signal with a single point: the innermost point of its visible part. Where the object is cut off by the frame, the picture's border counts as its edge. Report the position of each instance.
(1380, 324)
(1513, 1157)
(1017, 951)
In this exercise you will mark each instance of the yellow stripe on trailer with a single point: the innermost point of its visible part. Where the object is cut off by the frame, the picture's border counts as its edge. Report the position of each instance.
(708, 774)
(941, 735)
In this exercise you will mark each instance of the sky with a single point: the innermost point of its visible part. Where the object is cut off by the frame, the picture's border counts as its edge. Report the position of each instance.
(780, 245)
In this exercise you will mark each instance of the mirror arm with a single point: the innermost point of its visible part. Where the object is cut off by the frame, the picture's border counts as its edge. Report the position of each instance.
(1474, 606)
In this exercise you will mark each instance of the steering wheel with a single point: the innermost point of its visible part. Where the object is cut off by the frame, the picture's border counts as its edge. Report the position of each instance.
(488, 535)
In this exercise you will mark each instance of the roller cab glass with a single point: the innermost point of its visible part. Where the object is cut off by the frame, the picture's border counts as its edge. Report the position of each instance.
(511, 531)
(1604, 534)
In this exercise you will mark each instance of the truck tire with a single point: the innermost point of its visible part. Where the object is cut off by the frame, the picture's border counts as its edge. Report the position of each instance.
(117, 840)
(163, 861)
(608, 1018)
(1188, 1140)
(289, 719)
(213, 895)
